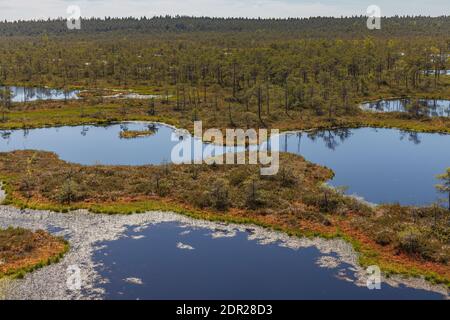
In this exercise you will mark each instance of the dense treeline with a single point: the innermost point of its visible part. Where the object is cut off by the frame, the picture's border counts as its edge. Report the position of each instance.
(305, 27)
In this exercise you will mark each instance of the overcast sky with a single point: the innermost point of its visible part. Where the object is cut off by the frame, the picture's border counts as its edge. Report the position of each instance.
(33, 9)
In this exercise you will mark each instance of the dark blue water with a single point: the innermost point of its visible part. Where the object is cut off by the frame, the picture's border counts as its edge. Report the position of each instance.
(25, 94)
(381, 165)
(225, 268)
(432, 108)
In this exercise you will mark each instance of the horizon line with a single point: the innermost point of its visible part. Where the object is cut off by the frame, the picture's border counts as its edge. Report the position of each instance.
(104, 18)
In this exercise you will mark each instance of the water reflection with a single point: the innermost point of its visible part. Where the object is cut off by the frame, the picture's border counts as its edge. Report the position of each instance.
(26, 94)
(381, 165)
(84, 130)
(414, 137)
(94, 144)
(433, 72)
(6, 135)
(331, 138)
(425, 107)
(176, 261)
(162, 255)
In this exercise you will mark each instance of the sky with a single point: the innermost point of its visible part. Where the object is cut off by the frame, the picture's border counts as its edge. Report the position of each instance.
(38, 9)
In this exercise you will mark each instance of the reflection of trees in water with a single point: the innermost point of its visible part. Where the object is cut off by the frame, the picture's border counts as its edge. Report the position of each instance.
(39, 93)
(331, 138)
(24, 94)
(28, 94)
(417, 107)
(153, 128)
(6, 135)
(394, 105)
(84, 131)
(298, 136)
(26, 132)
(414, 137)
(439, 108)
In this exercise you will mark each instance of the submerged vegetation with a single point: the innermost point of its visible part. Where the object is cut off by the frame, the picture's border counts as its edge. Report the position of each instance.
(23, 251)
